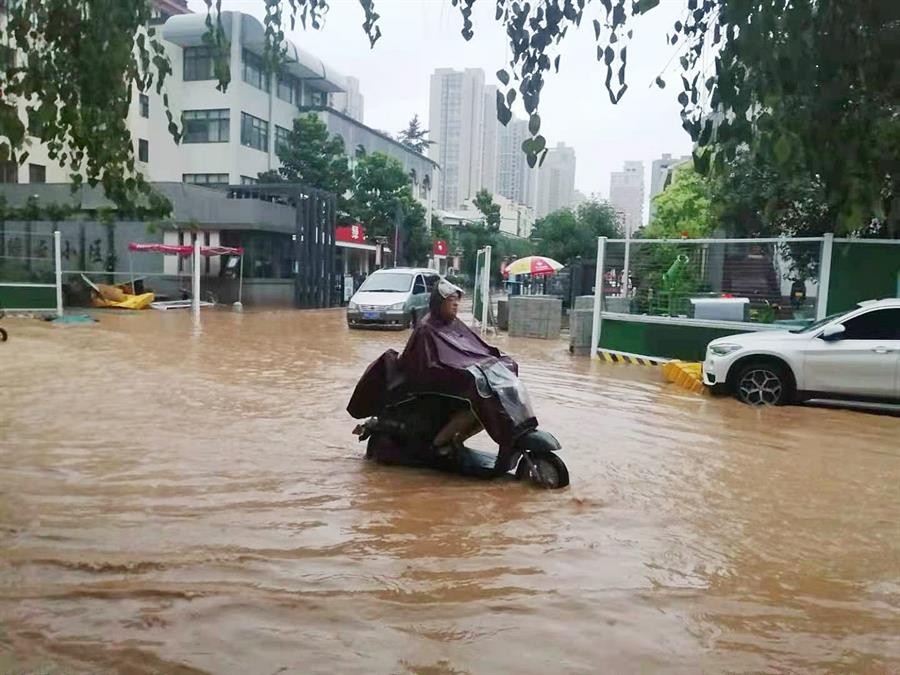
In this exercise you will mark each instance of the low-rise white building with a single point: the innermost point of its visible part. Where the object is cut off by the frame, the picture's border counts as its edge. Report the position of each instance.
(230, 137)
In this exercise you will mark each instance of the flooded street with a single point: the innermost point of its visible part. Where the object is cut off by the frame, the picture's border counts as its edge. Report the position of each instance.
(183, 500)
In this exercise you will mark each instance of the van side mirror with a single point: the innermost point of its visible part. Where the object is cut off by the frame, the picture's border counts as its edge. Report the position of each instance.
(833, 332)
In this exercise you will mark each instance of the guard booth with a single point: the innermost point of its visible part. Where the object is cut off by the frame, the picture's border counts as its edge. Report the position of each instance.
(316, 276)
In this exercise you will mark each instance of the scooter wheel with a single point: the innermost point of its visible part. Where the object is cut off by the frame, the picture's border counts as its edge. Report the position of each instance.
(3, 335)
(548, 472)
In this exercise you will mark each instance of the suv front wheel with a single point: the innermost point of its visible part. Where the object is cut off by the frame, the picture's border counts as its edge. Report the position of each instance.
(764, 383)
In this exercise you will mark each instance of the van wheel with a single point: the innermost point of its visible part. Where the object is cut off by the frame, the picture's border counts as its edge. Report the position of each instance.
(764, 383)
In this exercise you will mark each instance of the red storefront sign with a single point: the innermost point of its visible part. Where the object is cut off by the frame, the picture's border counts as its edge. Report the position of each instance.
(440, 247)
(350, 234)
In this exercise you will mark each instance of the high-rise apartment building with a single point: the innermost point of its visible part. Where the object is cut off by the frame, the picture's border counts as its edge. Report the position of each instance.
(515, 179)
(626, 194)
(556, 180)
(456, 125)
(490, 139)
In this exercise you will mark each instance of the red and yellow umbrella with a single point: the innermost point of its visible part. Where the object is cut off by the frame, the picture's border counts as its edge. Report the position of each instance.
(535, 265)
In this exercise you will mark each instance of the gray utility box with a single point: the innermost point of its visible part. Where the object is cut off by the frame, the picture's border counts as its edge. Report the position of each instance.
(503, 314)
(581, 323)
(535, 316)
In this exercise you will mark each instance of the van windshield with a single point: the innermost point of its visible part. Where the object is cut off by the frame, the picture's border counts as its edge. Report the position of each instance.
(388, 282)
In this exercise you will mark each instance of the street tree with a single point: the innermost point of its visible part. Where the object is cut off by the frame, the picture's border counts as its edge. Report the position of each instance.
(315, 158)
(812, 86)
(415, 137)
(383, 201)
(484, 202)
(566, 234)
(683, 208)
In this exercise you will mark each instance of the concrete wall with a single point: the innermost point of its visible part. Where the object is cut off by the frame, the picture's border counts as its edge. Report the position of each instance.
(256, 292)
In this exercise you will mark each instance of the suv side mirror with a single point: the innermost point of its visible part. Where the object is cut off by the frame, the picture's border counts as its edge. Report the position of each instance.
(833, 332)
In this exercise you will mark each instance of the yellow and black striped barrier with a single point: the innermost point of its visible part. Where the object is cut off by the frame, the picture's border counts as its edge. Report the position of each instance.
(686, 375)
(630, 359)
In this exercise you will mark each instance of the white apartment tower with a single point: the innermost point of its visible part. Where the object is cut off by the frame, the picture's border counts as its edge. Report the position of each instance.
(556, 180)
(456, 125)
(626, 194)
(489, 140)
(515, 179)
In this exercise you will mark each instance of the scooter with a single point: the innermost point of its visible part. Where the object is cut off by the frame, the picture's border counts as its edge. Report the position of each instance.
(403, 433)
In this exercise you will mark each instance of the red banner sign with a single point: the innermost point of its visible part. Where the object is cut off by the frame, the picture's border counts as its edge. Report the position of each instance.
(440, 247)
(350, 234)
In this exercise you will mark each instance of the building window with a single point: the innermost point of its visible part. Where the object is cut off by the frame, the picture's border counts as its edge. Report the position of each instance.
(205, 178)
(144, 105)
(288, 89)
(143, 150)
(206, 126)
(254, 71)
(254, 132)
(199, 64)
(318, 98)
(282, 138)
(37, 173)
(9, 172)
(248, 180)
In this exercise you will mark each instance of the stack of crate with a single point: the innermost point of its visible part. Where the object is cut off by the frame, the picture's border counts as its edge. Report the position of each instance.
(535, 316)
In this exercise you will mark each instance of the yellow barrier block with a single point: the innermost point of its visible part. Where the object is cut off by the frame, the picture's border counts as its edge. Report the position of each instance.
(686, 375)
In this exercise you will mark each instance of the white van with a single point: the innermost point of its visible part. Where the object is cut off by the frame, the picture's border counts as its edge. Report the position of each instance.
(392, 298)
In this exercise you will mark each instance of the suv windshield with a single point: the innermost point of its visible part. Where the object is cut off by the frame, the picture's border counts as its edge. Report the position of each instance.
(818, 324)
(388, 282)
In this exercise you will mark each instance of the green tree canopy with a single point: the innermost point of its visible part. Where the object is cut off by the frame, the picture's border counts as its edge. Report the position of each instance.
(683, 208)
(484, 202)
(811, 86)
(383, 201)
(315, 158)
(566, 234)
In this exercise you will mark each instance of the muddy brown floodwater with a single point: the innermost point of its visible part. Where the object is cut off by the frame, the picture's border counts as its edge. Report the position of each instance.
(183, 500)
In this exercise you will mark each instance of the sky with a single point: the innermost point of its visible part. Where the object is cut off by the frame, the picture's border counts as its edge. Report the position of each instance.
(419, 36)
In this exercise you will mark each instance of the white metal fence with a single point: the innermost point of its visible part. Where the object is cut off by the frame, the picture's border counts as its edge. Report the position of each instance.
(30, 261)
(776, 281)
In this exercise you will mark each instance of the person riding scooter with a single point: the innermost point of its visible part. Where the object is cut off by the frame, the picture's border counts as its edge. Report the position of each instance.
(446, 386)
(442, 319)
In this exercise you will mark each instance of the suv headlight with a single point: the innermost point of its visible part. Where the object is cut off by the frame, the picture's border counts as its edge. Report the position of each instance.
(723, 349)
(398, 307)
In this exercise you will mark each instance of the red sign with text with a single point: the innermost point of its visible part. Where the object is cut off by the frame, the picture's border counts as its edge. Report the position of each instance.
(440, 247)
(350, 234)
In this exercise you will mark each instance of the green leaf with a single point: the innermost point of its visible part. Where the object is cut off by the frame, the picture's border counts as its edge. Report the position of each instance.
(644, 6)
(504, 114)
(534, 124)
(503, 76)
(782, 149)
(661, 83)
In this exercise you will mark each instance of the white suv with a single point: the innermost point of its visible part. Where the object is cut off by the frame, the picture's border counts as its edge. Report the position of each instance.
(853, 355)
